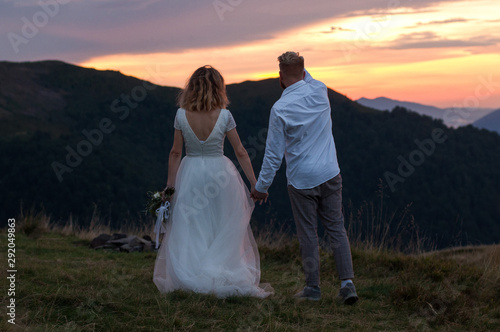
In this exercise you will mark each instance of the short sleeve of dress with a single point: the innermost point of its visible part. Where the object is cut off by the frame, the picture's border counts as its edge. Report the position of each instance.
(231, 124)
(177, 124)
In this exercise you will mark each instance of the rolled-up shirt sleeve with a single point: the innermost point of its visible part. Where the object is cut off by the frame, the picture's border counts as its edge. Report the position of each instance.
(275, 150)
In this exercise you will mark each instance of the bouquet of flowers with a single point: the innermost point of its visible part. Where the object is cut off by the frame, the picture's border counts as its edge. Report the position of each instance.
(155, 200)
(156, 207)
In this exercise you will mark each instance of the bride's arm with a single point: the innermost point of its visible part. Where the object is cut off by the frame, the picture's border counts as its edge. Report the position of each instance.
(174, 158)
(242, 156)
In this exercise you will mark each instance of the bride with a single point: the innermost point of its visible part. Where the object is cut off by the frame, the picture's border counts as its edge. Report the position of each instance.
(208, 246)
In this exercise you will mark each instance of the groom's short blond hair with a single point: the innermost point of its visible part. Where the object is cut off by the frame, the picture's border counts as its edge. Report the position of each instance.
(291, 64)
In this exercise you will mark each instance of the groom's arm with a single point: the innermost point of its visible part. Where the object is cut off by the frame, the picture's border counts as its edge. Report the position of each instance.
(275, 149)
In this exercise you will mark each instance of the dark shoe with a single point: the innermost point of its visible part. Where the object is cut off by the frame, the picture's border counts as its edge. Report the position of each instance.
(309, 293)
(347, 295)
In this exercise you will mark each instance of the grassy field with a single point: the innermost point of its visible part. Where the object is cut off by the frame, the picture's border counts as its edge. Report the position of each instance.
(63, 285)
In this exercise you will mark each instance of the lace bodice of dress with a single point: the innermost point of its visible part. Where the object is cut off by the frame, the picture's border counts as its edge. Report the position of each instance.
(214, 144)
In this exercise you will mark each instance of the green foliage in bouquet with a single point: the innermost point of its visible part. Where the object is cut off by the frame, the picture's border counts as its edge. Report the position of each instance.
(155, 200)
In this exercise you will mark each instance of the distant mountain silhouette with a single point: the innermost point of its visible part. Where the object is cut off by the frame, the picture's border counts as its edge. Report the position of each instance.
(79, 142)
(490, 121)
(451, 116)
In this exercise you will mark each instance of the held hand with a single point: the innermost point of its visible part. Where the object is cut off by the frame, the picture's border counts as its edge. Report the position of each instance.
(252, 189)
(164, 198)
(258, 196)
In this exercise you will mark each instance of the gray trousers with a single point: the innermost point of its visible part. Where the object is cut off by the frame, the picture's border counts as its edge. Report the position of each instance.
(324, 201)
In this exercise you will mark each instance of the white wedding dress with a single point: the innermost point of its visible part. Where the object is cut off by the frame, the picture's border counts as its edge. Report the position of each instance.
(208, 246)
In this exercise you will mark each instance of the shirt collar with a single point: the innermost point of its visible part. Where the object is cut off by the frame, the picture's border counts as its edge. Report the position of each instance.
(293, 87)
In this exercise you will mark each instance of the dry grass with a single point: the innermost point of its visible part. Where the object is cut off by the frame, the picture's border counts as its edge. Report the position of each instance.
(485, 258)
(68, 287)
(34, 224)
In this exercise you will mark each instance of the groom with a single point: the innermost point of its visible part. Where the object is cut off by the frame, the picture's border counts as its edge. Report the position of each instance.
(300, 127)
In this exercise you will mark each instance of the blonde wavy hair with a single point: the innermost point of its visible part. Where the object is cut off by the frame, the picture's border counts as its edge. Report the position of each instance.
(204, 91)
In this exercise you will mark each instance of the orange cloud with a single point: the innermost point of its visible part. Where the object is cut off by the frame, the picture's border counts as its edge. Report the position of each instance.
(393, 55)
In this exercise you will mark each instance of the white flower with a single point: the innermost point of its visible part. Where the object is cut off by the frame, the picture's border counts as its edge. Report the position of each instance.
(156, 195)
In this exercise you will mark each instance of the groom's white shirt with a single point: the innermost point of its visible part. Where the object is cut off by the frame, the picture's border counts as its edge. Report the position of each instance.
(300, 128)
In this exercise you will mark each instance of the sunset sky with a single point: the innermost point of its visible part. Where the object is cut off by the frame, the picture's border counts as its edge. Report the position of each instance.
(441, 53)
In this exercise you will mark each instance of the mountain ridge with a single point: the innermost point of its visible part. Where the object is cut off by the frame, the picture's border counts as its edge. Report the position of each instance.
(490, 121)
(450, 196)
(448, 115)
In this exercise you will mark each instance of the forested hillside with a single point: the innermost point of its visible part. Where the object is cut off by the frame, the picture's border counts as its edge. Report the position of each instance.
(75, 141)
